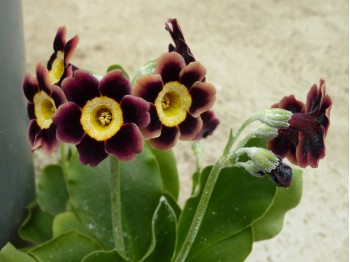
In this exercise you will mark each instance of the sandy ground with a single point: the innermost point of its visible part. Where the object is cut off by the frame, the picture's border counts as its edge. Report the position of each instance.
(255, 52)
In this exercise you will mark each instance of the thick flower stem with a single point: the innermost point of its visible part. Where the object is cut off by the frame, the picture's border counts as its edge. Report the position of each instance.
(116, 206)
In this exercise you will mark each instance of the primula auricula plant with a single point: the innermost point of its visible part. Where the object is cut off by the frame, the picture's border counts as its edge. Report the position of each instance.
(113, 196)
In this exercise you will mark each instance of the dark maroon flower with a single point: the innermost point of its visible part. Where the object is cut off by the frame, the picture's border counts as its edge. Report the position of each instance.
(43, 101)
(282, 174)
(303, 142)
(181, 47)
(101, 117)
(58, 64)
(178, 97)
(210, 123)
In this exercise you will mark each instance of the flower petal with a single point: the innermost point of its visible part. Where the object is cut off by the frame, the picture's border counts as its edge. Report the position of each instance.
(291, 104)
(42, 76)
(193, 72)
(203, 98)
(210, 123)
(91, 152)
(60, 39)
(190, 127)
(67, 120)
(169, 66)
(32, 131)
(30, 87)
(80, 88)
(49, 141)
(58, 95)
(31, 111)
(126, 143)
(148, 87)
(167, 139)
(135, 110)
(115, 85)
(153, 129)
(69, 49)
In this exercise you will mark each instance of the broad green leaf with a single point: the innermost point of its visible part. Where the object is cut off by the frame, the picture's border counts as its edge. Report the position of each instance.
(163, 233)
(37, 227)
(237, 201)
(104, 256)
(271, 223)
(113, 67)
(90, 193)
(233, 249)
(89, 190)
(146, 69)
(67, 221)
(141, 189)
(52, 195)
(10, 254)
(68, 247)
(168, 170)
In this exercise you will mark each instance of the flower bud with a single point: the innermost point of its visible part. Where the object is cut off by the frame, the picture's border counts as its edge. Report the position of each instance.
(275, 117)
(265, 132)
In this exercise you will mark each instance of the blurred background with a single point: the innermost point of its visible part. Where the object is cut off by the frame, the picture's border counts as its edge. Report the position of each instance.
(255, 53)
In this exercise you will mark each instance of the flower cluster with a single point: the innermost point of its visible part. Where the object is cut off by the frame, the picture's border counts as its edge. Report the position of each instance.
(108, 116)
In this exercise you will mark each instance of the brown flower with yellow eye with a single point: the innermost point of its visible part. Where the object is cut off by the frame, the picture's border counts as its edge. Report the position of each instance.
(177, 98)
(303, 141)
(58, 64)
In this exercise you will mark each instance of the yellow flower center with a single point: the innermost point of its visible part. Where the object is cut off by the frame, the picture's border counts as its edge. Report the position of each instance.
(173, 103)
(57, 68)
(101, 118)
(44, 108)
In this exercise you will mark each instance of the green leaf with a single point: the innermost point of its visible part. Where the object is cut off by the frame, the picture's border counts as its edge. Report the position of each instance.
(163, 233)
(89, 190)
(52, 195)
(271, 223)
(10, 254)
(90, 193)
(168, 171)
(233, 249)
(141, 189)
(146, 69)
(67, 221)
(104, 256)
(37, 227)
(68, 247)
(237, 201)
(116, 66)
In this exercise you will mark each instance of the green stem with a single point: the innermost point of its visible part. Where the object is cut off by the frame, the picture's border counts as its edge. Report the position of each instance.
(207, 192)
(116, 206)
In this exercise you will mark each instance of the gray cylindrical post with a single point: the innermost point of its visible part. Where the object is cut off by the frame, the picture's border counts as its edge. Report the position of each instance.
(16, 166)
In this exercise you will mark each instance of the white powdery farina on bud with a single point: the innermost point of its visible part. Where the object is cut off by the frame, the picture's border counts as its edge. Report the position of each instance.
(275, 117)
(265, 132)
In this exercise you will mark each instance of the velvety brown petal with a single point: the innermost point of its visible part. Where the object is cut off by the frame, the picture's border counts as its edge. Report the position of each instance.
(91, 152)
(42, 76)
(69, 49)
(33, 130)
(60, 39)
(135, 110)
(167, 139)
(115, 85)
(30, 110)
(67, 120)
(49, 140)
(153, 129)
(80, 88)
(190, 127)
(291, 104)
(30, 87)
(58, 95)
(126, 143)
(148, 87)
(210, 123)
(169, 66)
(203, 98)
(193, 72)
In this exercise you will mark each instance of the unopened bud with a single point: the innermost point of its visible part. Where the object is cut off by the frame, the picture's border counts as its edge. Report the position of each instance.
(275, 117)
